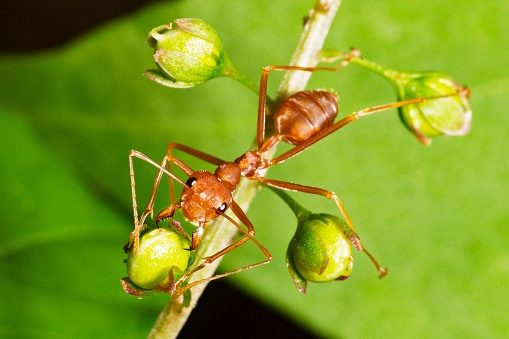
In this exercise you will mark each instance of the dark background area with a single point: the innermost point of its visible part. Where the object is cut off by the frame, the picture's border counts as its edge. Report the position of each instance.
(30, 26)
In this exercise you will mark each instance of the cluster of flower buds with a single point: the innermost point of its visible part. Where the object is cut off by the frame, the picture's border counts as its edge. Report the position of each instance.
(190, 52)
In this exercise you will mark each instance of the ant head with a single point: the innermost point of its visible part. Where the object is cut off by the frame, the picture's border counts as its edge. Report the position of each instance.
(204, 196)
(229, 174)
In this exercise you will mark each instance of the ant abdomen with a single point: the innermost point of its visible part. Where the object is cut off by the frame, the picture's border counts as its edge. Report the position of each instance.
(304, 114)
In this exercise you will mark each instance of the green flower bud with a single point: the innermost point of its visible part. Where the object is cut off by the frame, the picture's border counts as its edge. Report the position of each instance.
(161, 260)
(445, 109)
(441, 114)
(320, 250)
(187, 54)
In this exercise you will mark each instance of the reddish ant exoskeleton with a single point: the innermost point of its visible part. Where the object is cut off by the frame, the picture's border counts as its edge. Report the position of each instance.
(302, 119)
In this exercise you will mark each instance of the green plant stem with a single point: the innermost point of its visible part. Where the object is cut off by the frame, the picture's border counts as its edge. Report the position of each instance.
(297, 208)
(240, 77)
(385, 72)
(220, 233)
(310, 44)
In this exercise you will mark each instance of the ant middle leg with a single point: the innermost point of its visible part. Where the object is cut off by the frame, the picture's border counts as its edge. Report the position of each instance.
(354, 239)
(289, 186)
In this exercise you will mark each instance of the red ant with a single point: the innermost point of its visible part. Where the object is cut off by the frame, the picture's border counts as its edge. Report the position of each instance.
(302, 119)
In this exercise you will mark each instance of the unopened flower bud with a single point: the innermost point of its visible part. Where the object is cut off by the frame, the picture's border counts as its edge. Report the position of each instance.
(445, 109)
(187, 53)
(162, 256)
(446, 112)
(319, 251)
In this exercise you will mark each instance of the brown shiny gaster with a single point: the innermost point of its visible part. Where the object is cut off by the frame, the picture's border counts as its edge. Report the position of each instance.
(304, 114)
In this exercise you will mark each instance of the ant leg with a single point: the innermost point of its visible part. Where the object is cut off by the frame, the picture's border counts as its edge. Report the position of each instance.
(354, 239)
(248, 235)
(139, 223)
(194, 152)
(262, 97)
(289, 186)
(354, 117)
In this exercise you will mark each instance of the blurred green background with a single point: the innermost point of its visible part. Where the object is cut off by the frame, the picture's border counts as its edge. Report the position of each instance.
(436, 217)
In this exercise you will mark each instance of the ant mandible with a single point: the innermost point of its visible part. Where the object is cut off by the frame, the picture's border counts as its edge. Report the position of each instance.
(302, 119)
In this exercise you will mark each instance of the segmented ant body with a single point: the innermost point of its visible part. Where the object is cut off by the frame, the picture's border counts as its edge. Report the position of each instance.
(302, 119)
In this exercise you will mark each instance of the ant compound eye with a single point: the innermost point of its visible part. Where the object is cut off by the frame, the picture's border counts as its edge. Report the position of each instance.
(191, 181)
(223, 207)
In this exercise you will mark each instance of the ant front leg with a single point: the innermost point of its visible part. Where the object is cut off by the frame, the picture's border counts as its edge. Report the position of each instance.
(139, 223)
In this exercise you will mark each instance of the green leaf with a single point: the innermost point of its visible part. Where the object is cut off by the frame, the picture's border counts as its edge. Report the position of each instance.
(60, 250)
(436, 217)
